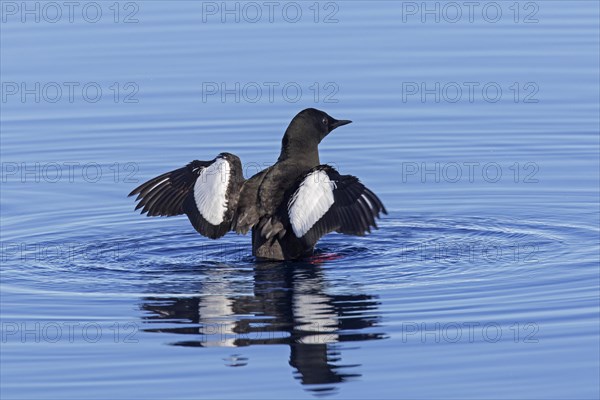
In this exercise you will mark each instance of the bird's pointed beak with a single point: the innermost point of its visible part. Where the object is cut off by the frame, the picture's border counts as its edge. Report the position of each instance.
(337, 123)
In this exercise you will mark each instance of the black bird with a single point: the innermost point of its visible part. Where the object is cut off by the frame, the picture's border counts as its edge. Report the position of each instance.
(289, 206)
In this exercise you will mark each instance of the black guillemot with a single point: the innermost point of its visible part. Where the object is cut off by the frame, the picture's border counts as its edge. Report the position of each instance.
(289, 206)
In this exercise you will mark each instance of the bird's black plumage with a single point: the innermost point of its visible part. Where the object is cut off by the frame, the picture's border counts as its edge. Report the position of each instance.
(288, 206)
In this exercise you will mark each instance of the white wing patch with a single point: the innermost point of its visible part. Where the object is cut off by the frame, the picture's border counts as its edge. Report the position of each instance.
(310, 202)
(210, 191)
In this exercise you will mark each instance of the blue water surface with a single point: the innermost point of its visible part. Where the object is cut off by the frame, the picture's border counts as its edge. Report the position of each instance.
(477, 125)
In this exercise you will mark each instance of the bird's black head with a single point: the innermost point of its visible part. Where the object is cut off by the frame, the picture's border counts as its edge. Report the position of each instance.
(306, 131)
(315, 123)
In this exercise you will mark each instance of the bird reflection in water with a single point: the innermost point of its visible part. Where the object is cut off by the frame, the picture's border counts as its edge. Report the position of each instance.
(289, 305)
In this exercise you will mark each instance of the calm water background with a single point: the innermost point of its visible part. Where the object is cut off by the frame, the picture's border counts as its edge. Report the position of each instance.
(482, 281)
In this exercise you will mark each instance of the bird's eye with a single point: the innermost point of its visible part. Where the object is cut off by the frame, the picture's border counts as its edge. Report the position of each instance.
(324, 121)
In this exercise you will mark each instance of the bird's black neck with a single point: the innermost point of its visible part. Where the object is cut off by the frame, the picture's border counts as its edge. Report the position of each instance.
(302, 151)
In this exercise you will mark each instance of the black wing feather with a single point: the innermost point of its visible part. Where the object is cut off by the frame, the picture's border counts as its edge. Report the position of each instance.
(165, 194)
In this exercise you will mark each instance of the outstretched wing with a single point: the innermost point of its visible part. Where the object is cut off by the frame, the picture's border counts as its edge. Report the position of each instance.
(206, 191)
(165, 194)
(324, 201)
